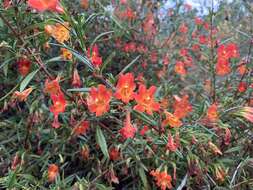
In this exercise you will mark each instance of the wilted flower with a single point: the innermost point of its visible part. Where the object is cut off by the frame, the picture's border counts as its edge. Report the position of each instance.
(22, 96)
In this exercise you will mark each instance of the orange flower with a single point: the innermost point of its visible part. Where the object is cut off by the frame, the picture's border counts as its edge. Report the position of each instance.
(125, 88)
(180, 68)
(182, 107)
(163, 180)
(82, 128)
(59, 31)
(93, 55)
(43, 5)
(99, 99)
(22, 96)
(145, 100)
(247, 113)
(128, 131)
(24, 66)
(171, 120)
(59, 104)
(66, 54)
(53, 86)
(52, 172)
(212, 113)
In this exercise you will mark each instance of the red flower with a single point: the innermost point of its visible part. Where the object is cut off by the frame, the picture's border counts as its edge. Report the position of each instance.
(242, 87)
(24, 66)
(99, 99)
(59, 104)
(145, 100)
(182, 107)
(125, 88)
(212, 113)
(93, 55)
(198, 21)
(82, 128)
(43, 5)
(114, 153)
(171, 120)
(163, 180)
(128, 131)
(223, 67)
(52, 172)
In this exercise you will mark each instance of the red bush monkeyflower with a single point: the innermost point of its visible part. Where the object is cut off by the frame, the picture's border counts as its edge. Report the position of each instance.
(242, 87)
(114, 153)
(52, 172)
(93, 55)
(98, 100)
(44, 5)
(222, 67)
(163, 180)
(171, 120)
(82, 128)
(24, 66)
(145, 100)
(52, 87)
(212, 113)
(59, 104)
(125, 88)
(128, 131)
(182, 107)
(171, 145)
(180, 68)
(202, 39)
(22, 96)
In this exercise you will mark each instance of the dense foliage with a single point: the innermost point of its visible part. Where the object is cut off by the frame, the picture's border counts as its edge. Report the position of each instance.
(126, 94)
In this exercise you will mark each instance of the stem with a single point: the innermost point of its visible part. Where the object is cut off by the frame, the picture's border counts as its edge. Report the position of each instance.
(212, 65)
(37, 59)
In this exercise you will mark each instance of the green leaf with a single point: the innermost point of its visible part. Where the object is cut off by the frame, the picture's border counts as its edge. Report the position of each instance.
(27, 79)
(102, 142)
(143, 178)
(100, 36)
(79, 90)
